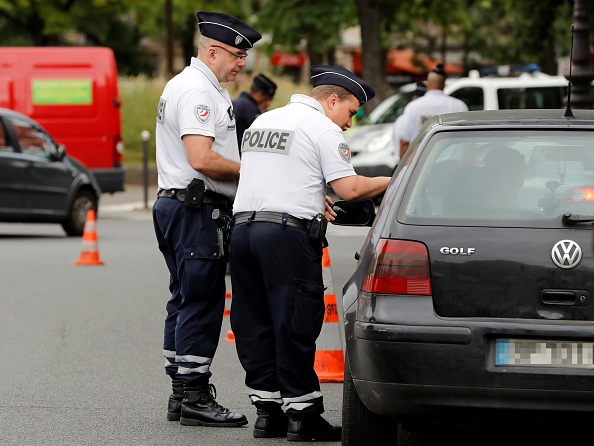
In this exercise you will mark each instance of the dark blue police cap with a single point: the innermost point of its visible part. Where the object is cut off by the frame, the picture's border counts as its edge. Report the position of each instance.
(439, 69)
(265, 85)
(333, 75)
(227, 29)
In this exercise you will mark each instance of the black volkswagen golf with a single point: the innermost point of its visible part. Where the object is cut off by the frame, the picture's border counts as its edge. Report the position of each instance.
(472, 294)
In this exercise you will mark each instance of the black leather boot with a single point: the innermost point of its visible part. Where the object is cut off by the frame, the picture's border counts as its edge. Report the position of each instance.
(199, 408)
(270, 423)
(312, 428)
(175, 399)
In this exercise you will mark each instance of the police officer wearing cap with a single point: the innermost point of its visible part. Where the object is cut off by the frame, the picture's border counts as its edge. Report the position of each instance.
(198, 168)
(249, 105)
(434, 102)
(289, 156)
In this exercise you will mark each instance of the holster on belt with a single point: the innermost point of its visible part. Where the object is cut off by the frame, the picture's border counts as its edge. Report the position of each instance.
(195, 193)
(317, 230)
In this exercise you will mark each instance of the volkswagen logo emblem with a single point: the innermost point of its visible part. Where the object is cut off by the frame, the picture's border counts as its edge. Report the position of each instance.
(566, 254)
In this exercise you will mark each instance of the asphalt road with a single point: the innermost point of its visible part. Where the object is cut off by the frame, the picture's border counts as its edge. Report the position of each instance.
(81, 345)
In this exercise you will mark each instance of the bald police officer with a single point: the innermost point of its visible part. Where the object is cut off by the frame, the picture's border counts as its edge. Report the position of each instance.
(198, 169)
(289, 155)
(433, 102)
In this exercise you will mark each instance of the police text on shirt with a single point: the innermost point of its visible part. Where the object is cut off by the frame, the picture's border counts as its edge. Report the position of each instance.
(267, 140)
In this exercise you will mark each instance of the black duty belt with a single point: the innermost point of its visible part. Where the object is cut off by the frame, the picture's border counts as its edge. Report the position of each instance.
(210, 197)
(271, 217)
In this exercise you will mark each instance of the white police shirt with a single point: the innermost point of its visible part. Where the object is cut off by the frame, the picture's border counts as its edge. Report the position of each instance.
(193, 103)
(289, 154)
(417, 112)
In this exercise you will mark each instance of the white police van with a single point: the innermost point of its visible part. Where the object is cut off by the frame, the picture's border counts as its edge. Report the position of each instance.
(373, 149)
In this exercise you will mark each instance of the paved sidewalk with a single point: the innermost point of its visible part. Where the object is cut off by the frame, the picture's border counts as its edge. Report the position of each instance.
(135, 197)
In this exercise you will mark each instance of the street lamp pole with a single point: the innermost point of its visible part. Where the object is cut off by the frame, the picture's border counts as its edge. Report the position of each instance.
(581, 73)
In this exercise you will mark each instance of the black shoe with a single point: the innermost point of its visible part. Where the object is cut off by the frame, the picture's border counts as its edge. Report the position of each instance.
(199, 408)
(175, 399)
(312, 428)
(270, 424)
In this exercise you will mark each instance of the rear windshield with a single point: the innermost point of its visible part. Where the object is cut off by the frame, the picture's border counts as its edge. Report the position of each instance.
(505, 178)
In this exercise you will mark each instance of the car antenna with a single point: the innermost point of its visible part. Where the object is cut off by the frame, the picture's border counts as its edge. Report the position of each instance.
(568, 112)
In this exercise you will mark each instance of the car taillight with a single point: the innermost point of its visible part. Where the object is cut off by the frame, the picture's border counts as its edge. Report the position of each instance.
(399, 267)
(118, 150)
(578, 194)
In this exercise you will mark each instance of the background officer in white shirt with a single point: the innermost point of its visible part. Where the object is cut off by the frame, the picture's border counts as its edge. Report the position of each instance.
(289, 155)
(198, 169)
(434, 102)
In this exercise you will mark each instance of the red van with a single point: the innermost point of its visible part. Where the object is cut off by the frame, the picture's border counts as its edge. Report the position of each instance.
(73, 93)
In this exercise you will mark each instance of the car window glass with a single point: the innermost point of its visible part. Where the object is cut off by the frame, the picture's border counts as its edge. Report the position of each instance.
(31, 140)
(473, 97)
(388, 110)
(543, 97)
(4, 145)
(502, 179)
(395, 110)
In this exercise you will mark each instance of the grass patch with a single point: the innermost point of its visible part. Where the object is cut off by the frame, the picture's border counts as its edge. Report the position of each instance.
(140, 97)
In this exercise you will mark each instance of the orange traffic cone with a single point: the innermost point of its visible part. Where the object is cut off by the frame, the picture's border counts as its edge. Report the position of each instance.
(89, 254)
(227, 310)
(230, 336)
(329, 361)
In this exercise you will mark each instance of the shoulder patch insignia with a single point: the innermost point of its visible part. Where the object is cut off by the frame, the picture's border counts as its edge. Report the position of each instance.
(202, 113)
(344, 151)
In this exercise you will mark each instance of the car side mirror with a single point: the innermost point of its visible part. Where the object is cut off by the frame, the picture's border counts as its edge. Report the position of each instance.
(354, 213)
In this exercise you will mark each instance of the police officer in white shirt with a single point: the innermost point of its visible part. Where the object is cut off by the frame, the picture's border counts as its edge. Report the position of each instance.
(198, 169)
(289, 156)
(434, 102)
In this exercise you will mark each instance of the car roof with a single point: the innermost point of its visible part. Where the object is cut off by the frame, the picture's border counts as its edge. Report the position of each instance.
(9, 112)
(519, 117)
(525, 80)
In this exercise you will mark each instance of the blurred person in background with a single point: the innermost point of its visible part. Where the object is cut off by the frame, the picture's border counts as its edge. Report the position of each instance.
(249, 105)
(420, 91)
(434, 102)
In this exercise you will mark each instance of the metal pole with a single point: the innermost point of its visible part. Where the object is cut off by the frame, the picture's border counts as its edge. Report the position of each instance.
(169, 27)
(145, 135)
(581, 73)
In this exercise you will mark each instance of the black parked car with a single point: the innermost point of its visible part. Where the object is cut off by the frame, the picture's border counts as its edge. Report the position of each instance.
(472, 294)
(38, 181)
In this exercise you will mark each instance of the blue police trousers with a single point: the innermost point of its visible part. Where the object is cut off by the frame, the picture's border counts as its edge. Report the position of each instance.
(188, 240)
(277, 312)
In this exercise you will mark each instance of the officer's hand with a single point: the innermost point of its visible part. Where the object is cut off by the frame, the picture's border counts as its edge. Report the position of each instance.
(329, 212)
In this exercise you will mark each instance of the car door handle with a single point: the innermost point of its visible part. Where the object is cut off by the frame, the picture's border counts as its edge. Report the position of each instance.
(566, 297)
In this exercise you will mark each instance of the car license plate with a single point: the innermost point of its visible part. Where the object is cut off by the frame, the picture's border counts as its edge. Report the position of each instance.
(543, 353)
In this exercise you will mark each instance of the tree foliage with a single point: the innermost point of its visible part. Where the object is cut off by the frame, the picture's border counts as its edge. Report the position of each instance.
(44, 22)
(309, 24)
(485, 31)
